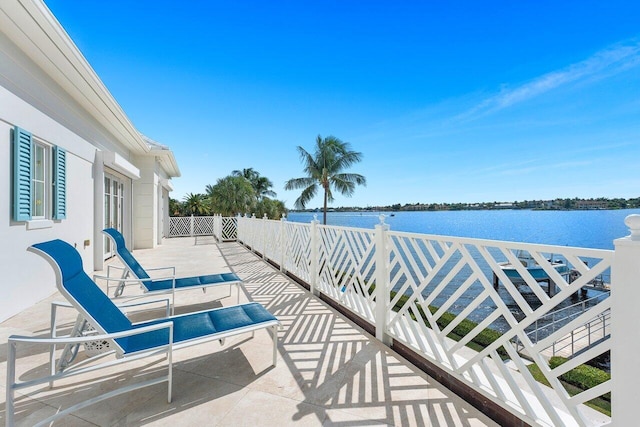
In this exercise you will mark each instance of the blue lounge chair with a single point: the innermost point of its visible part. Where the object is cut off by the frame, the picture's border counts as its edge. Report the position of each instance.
(160, 285)
(129, 341)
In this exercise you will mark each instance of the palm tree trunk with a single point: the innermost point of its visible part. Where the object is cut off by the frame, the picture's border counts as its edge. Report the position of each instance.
(325, 207)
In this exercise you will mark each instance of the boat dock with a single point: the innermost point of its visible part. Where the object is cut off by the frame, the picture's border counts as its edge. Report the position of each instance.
(581, 338)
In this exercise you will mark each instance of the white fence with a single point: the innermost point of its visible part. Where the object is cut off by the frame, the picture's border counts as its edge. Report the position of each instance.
(437, 295)
(222, 228)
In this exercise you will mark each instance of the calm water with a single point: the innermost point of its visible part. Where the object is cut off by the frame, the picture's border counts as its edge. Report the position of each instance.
(585, 229)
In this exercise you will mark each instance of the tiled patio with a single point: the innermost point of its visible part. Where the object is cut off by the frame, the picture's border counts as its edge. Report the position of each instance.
(329, 371)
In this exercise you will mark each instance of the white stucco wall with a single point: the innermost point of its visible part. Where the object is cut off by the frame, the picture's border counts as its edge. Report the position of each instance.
(26, 277)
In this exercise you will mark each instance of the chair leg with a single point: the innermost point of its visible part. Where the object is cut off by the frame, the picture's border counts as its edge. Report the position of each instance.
(70, 351)
(120, 288)
(170, 375)
(11, 374)
(274, 331)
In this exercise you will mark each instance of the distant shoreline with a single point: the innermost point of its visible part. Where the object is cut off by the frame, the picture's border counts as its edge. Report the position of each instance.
(356, 209)
(536, 205)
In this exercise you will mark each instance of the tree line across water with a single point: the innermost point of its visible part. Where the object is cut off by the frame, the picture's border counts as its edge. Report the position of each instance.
(575, 203)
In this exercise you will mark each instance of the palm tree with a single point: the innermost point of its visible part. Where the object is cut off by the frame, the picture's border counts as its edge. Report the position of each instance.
(273, 208)
(261, 184)
(325, 169)
(231, 195)
(195, 204)
(175, 207)
(249, 174)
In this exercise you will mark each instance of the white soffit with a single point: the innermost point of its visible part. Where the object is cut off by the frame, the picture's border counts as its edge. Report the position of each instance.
(118, 163)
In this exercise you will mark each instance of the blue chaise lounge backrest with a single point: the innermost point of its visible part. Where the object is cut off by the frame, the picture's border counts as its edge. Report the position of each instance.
(125, 255)
(79, 289)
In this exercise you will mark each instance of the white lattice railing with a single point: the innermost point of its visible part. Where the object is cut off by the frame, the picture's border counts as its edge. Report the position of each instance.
(223, 228)
(437, 294)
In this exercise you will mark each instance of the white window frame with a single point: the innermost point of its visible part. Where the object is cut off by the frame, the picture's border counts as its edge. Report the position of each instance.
(45, 181)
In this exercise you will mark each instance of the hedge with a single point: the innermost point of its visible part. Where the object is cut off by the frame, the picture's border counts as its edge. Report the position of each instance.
(582, 376)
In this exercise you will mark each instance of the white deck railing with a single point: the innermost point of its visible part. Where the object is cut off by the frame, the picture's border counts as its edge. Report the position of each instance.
(223, 228)
(418, 289)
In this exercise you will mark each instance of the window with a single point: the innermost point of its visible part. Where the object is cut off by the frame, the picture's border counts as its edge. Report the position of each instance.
(39, 179)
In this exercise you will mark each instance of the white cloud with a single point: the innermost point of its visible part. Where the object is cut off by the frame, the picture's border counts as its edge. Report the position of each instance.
(604, 63)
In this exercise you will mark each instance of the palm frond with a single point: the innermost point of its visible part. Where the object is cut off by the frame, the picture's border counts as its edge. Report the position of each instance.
(306, 196)
(298, 183)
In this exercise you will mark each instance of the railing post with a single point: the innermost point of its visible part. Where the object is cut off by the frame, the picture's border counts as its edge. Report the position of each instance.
(264, 236)
(239, 229)
(191, 226)
(313, 267)
(254, 239)
(573, 340)
(245, 229)
(383, 295)
(283, 244)
(625, 347)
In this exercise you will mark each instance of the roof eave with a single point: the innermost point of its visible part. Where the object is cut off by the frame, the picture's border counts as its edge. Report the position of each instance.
(32, 26)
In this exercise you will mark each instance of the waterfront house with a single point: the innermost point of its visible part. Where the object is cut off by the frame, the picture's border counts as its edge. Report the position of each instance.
(72, 161)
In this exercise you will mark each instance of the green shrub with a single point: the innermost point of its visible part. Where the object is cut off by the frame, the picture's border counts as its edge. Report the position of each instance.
(583, 376)
(602, 404)
(483, 339)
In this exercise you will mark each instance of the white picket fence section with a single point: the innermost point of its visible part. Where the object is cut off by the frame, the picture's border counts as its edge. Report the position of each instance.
(404, 283)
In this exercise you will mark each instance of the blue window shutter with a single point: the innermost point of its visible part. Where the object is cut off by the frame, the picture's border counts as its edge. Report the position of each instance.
(22, 148)
(59, 183)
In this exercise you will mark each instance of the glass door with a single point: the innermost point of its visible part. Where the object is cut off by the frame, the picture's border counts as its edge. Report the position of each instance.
(113, 209)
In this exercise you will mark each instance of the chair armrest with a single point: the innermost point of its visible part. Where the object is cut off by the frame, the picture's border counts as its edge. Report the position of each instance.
(78, 340)
(121, 268)
(127, 304)
(114, 267)
(118, 279)
(130, 280)
(66, 304)
(150, 301)
(121, 282)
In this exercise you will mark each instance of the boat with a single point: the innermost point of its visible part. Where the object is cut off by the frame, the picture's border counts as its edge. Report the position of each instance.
(537, 272)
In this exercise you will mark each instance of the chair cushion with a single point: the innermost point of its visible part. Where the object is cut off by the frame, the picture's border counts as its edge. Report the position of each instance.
(125, 255)
(188, 282)
(199, 325)
(78, 286)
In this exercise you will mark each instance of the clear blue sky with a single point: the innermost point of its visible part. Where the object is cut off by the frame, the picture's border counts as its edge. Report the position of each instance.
(449, 101)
